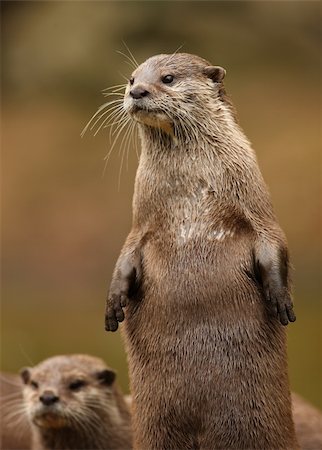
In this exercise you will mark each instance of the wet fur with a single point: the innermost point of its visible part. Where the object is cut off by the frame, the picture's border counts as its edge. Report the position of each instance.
(203, 275)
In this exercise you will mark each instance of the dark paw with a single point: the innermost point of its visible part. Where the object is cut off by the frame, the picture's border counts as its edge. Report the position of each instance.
(114, 310)
(281, 305)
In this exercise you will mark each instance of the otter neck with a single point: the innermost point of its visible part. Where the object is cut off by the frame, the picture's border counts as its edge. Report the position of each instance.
(215, 142)
(174, 170)
(220, 158)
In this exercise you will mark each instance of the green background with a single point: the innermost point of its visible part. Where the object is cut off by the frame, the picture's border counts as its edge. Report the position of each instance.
(63, 223)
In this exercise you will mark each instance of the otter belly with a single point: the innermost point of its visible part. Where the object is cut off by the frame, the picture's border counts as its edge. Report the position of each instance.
(200, 282)
(200, 345)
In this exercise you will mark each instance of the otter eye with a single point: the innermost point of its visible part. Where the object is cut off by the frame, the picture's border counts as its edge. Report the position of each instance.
(167, 79)
(131, 81)
(34, 384)
(76, 385)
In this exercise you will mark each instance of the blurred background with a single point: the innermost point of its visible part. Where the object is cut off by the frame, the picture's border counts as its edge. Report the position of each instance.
(64, 223)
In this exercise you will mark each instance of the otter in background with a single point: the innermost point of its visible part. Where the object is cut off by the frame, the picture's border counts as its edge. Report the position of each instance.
(71, 402)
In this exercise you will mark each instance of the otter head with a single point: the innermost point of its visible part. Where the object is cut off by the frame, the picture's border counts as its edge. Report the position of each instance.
(62, 390)
(174, 92)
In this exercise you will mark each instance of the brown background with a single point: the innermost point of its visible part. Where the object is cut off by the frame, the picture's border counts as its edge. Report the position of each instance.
(63, 223)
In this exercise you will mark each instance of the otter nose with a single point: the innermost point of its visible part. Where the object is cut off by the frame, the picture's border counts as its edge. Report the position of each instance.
(48, 398)
(138, 92)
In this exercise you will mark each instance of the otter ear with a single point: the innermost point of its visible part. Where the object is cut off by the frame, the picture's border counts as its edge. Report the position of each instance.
(106, 376)
(25, 374)
(215, 73)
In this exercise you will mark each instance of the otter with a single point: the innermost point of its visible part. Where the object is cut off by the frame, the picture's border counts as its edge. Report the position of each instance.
(73, 402)
(203, 277)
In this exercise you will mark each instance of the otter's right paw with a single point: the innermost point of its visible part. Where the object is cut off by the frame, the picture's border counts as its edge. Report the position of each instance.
(114, 310)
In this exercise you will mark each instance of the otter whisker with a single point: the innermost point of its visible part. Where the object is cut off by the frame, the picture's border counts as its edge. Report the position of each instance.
(108, 94)
(175, 52)
(100, 109)
(121, 128)
(118, 122)
(115, 115)
(128, 59)
(5, 380)
(123, 149)
(108, 111)
(123, 76)
(136, 141)
(130, 141)
(111, 124)
(16, 395)
(131, 54)
(186, 123)
(114, 132)
(116, 87)
(106, 115)
(18, 412)
(125, 143)
(116, 111)
(84, 421)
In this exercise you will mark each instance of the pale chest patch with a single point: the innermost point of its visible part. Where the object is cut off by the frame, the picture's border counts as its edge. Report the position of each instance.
(194, 219)
(193, 230)
(221, 234)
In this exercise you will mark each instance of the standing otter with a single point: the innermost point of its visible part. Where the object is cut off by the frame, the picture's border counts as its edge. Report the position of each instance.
(203, 275)
(72, 402)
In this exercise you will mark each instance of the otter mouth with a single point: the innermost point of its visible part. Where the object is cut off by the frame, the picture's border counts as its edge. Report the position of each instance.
(49, 419)
(136, 108)
(140, 109)
(155, 118)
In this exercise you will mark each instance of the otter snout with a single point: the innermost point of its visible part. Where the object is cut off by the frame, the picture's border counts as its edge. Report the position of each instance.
(48, 398)
(139, 92)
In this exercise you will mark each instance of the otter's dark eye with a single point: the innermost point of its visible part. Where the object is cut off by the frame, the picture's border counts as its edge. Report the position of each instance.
(167, 79)
(77, 385)
(131, 81)
(34, 384)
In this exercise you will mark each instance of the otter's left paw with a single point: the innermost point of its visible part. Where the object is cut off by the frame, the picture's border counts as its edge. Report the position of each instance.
(114, 313)
(114, 310)
(281, 303)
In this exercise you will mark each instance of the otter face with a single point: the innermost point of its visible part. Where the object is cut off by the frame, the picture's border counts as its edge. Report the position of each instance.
(59, 391)
(164, 90)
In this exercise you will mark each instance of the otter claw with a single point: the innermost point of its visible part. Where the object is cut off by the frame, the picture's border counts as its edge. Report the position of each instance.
(282, 306)
(114, 311)
(124, 283)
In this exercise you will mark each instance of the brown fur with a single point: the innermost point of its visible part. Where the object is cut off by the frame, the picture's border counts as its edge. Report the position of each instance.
(203, 273)
(91, 416)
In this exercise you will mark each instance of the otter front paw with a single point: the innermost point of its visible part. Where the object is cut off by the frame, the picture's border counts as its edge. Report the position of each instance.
(114, 310)
(281, 303)
(126, 280)
(272, 268)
